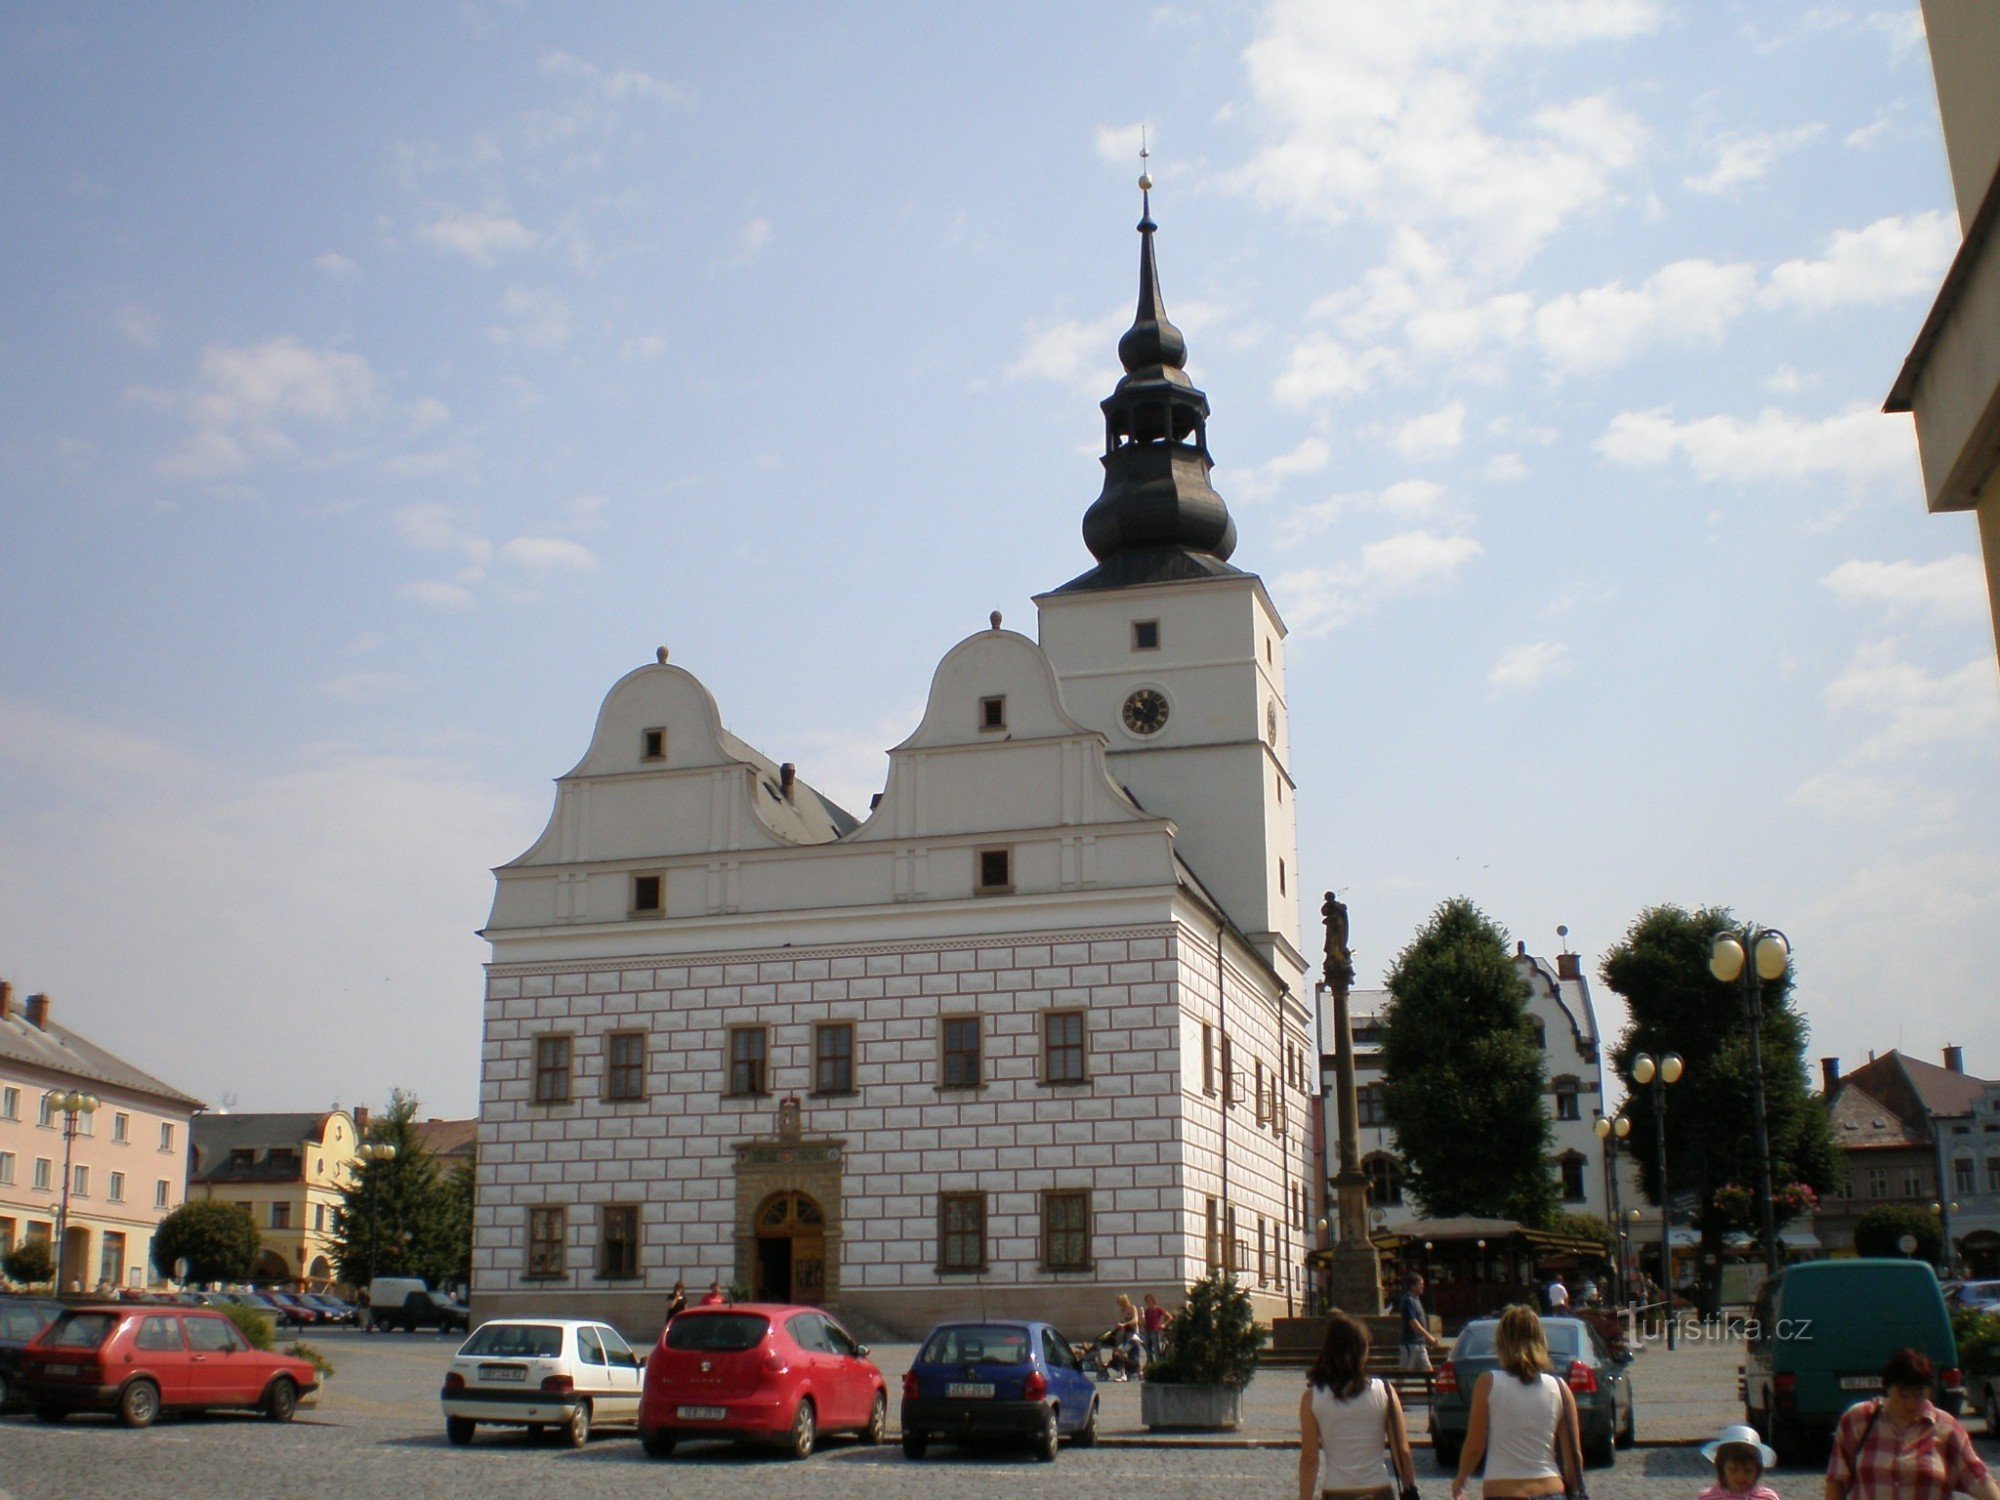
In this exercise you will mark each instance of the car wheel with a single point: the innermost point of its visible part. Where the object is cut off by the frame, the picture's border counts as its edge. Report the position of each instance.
(1628, 1435)
(1086, 1435)
(577, 1428)
(459, 1430)
(281, 1402)
(139, 1404)
(805, 1430)
(878, 1419)
(1047, 1441)
(916, 1444)
(1785, 1443)
(656, 1442)
(4, 1391)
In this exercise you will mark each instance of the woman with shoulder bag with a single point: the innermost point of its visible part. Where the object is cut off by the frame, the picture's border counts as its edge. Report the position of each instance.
(1350, 1423)
(1523, 1420)
(1899, 1445)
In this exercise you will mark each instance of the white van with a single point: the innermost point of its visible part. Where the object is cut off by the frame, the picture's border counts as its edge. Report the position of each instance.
(387, 1296)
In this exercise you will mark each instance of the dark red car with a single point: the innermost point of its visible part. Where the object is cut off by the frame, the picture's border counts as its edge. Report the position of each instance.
(760, 1371)
(138, 1361)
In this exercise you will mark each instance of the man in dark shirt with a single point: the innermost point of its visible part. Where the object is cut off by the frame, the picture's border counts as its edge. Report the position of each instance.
(1415, 1339)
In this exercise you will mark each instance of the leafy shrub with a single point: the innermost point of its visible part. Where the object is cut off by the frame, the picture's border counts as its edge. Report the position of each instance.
(30, 1262)
(1215, 1338)
(218, 1240)
(1978, 1335)
(302, 1350)
(1879, 1230)
(256, 1326)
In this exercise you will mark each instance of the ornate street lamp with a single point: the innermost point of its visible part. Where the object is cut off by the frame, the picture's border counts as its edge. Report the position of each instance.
(374, 1153)
(72, 1103)
(1728, 960)
(1611, 1130)
(1656, 1075)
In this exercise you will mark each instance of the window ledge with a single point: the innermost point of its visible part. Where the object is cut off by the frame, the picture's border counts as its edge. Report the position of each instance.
(832, 1093)
(1066, 1083)
(961, 1270)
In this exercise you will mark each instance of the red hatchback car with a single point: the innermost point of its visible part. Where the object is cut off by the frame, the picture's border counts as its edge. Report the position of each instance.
(138, 1361)
(759, 1370)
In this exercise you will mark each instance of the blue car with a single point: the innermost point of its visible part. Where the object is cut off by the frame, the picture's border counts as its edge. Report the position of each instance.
(998, 1379)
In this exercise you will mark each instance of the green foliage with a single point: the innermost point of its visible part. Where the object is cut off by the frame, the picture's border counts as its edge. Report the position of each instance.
(302, 1350)
(1215, 1338)
(1978, 1335)
(1582, 1226)
(403, 1217)
(736, 1291)
(30, 1263)
(1660, 968)
(1878, 1230)
(256, 1326)
(1462, 1077)
(218, 1240)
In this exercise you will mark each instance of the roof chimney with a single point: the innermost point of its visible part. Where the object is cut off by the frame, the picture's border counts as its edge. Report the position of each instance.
(1569, 966)
(6, 999)
(37, 1012)
(788, 777)
(361, 1121)
(1520, 948)
(1954, 1059)
(1829, 1075)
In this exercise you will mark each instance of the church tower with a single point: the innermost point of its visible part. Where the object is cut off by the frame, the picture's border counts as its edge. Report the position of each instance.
(1174, 655)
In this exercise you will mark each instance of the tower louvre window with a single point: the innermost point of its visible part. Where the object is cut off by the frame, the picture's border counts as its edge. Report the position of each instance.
(1145, 635)
(654, 743)
(996, 870)
(646, 900)
(993, 712)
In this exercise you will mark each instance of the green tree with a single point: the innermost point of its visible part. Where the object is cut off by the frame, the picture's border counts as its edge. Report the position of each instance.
(1462, 1076)
(1660, 967)
(218, 1240)
(30, 1263)
(1215, 1337)
(403, 1216)
(1880, 1231)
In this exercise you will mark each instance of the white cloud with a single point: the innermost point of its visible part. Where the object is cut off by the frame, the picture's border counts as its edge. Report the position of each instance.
(1266, 479)
(1323, 599)
(1119, 144)
(1749, 157)
(138, 324)
(481, 237)
(548, 554)
(1688, 302)
(1893, 258)
(1381, 110)
(1846, 794)
(1407, 500)
(1953, 588)
(1921, 709)
(439, 594)
(645, 347)
(436, 528)
(541, 320)
(1857, 445)
(751, 240)
(1505, 468)
(1434, 434)
(616, 83)
(245, 402)
(1529, 666)
(1080, 355)
(333, 264)
(1322, 368)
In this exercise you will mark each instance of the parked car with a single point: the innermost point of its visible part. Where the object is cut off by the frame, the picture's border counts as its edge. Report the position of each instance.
(540, 1373)
(285, 1316)
(140, 1361)
(303, 1312)
(1980, 1296)
(422, 1309)
(760, 1371)
(335, 1309)
(1819, 1335)
(998, 1378)
(21, 1318)
(1606, 1410)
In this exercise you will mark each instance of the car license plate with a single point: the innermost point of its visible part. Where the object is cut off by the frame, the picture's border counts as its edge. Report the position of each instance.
(701, 1413)
(502, 1372)
(963, 1391)
(1860, 1382)
(60, 1369)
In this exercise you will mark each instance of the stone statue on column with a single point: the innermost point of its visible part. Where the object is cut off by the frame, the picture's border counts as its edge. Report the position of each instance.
(1356, 1271)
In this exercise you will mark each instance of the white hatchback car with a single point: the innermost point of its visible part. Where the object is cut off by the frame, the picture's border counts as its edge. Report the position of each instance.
(540, 1373)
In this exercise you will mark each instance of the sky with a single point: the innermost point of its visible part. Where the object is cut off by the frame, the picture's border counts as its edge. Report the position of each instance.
(379, 384)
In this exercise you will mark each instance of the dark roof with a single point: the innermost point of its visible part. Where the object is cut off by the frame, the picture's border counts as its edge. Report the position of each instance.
(1913, 1090)
(1861, 1122)
(447, 1139)
(214, 1139)
(57, 1049)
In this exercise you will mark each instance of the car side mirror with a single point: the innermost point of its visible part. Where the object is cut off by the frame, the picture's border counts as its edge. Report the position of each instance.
(860, 1351)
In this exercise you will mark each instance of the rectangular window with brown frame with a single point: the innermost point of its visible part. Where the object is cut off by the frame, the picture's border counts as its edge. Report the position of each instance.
(1208, 1059)
(1263, 1109)
(995, 872)
(1263, 1264)
(1064, 1053)
(961, 1232)
(552, 1069)
(960, 1038)
(1230, 1257)
(648, 894)
(548, 1240)
(1228, 1073)
(625, 1066)
(749, 1048)
(617, 1242)
(1066, 1231)
(833, 1058)
(1214, 1241)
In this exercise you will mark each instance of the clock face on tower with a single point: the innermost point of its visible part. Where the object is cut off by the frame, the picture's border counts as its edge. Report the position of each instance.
(1146, 711)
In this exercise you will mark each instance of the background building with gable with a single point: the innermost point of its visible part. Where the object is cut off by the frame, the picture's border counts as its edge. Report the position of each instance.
(289, 1172)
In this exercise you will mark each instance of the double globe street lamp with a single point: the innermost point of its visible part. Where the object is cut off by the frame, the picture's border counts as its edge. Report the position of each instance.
(1752, 955)
(72, 1103)
(373, 1154)
(1612, 1130)
(1655, 1074)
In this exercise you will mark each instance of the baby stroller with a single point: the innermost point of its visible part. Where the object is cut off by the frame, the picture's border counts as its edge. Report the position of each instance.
(1111, 1356)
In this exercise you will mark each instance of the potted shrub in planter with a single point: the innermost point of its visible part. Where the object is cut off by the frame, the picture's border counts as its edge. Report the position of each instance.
(1199, 1382)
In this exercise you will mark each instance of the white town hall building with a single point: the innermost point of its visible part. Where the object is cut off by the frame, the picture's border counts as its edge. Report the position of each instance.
(1032, 1032)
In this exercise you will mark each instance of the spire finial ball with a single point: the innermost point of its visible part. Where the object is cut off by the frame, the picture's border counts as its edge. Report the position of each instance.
(660, 656)
(1145, 182)
(995, 618)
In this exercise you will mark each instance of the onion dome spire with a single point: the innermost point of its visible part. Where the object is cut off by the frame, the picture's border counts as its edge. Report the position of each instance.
(1157, 517)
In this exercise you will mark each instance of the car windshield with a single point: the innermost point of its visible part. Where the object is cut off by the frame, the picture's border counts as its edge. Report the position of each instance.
(1980, 1291)
(81, 1330)
(1565, 1341)
(21, 1321)
(977, 1344)
(717, 1333)
(515, 1341)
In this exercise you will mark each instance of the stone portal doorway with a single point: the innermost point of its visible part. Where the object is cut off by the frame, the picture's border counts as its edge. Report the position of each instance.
(791, 1250)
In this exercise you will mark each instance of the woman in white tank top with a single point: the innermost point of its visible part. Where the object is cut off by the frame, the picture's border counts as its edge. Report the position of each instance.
(1523, 1419)
(1350, 1426)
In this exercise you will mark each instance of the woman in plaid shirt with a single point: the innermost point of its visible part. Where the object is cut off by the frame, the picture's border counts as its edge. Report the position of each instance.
(1900, 1447)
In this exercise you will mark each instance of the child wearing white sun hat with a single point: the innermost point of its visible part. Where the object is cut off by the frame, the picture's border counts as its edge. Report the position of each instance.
(1740, 1458)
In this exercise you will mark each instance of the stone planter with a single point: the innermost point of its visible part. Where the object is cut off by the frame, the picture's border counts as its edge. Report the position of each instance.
(1195, 1408)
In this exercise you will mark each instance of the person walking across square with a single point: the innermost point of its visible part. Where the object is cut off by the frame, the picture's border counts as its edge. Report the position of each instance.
(1414, 1339)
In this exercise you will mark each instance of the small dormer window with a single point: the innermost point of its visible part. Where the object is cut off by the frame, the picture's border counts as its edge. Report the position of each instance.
(996, 870)
(646, 895)
(1145, 635)
(993, 713)
(655, 744)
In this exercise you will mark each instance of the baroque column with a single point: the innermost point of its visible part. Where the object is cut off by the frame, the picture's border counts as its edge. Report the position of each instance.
(1356, 1271)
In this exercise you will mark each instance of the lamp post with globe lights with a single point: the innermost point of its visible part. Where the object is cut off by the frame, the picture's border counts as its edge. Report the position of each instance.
(1612, 1129)
(72, 1103)
(373, 1154)
(1656, 1074)
(1754, 955)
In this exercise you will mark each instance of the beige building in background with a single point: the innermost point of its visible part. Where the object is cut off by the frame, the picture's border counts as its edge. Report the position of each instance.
(290, 1173)
(125, 1162)
(1951, 380)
